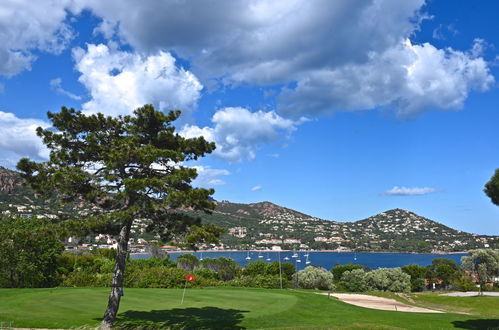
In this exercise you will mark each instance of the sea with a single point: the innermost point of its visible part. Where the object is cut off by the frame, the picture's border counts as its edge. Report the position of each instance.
(327, 260)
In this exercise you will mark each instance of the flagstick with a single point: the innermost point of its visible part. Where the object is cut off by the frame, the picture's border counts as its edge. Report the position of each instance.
(183, 294)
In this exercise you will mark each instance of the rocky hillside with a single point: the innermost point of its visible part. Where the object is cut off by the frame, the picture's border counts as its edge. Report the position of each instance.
(263, 225)
(266, 224)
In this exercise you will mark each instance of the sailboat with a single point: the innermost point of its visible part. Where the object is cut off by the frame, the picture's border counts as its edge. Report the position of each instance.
(260, 255)
(286, 258)
(248, 257)
(201, 258)
(306, 254)
(307, 261)
(355, 256)
(298, 258)
(268, 257)
(295, 255)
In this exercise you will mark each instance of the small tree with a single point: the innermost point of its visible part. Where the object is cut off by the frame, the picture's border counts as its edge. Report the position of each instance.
(126, 167)
(418, 276)
(484, 264)
(492, 188)
(445, 270)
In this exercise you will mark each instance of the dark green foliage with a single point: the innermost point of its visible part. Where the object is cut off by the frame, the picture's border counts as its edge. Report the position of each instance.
(261, 281)
(156, 277)
(226, 268)
(418, 276)
(464, 284)
(29, 251)
(445, 271)
(125, 165)
(87, 280)
(338, 270)
(107, 253)
(412, 245)
(187, 262)
(260, 267)
(492, 188)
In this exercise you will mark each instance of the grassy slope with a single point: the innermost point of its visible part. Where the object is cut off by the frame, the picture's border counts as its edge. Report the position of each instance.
(229, 308)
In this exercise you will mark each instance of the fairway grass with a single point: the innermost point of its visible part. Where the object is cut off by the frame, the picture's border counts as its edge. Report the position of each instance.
(223, 308)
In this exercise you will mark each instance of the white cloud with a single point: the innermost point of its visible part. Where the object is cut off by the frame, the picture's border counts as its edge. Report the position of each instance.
(56, 85)
(209, 177)
(257, 188)
(27, 26)
(18, 139)
(409, 78)
(342, 55)
(409, 191)
(120, 81)
(238, 132)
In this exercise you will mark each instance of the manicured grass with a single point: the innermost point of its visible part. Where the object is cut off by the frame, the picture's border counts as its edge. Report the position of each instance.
(484, 306)
(218, 308)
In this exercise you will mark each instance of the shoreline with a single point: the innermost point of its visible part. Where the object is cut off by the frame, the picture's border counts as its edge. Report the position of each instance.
(318, 251)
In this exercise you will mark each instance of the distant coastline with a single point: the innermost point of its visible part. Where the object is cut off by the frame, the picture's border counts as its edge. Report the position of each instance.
(302, 251)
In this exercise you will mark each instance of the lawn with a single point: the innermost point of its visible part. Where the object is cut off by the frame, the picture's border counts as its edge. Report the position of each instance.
(223, 308)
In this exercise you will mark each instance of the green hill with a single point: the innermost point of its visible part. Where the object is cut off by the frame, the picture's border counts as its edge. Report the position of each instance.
(264, 224)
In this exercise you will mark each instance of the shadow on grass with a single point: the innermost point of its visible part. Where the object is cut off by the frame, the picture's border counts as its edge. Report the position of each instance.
(182, 318)
(477, 324)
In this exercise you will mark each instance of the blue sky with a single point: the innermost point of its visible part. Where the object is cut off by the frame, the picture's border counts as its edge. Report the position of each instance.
(337, 109)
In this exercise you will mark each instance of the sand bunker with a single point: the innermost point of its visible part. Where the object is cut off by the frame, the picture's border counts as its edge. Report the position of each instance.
(374, 302)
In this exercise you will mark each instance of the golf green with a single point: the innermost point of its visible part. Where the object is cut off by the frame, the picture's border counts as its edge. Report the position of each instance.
(212, 308)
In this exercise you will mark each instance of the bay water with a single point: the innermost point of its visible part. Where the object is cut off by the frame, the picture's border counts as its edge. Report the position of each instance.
(322, 259)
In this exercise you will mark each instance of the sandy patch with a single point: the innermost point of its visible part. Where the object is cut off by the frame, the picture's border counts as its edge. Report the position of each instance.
(380, 303)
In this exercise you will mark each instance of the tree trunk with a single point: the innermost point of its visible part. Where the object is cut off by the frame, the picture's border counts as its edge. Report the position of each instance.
(119, 271)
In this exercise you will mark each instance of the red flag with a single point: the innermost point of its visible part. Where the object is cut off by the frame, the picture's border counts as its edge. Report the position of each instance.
(190, 278)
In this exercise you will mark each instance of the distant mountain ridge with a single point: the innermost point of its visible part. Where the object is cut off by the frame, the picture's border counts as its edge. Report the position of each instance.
(265, 224)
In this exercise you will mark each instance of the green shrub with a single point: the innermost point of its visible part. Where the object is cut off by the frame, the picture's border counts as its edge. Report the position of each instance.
(314, 278)
(388, 279)
(355, 280)
(82, 279)
(188, 262)
(156, 277)
(418, 275)
(206, 273)
(338, 270)
(260, 281)
(260, 267)
(227, 269)
(464, 284)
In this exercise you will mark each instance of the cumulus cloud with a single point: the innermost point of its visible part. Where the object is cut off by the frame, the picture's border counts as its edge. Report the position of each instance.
(56, 85)
(257, 188)
(238, 132)
(18, 139)
(341, 55)
(28, 26)
(409, 78)
(209, 177)
(409, 191)
(120, 81)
